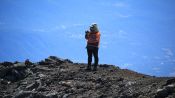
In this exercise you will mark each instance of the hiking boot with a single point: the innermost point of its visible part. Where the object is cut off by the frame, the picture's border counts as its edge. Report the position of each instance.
(88, 68)
(95, 68)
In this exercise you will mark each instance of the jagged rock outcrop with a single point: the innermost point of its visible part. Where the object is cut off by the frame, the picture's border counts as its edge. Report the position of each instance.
(61, 78)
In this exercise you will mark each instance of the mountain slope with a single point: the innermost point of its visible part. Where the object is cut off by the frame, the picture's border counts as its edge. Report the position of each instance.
(61, 78)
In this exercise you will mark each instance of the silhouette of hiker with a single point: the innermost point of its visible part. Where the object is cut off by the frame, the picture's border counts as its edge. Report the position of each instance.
(93, 40)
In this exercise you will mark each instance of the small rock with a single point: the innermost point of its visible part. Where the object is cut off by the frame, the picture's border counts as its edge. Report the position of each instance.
(37, 95)
(34, 85)
(141, 96)
(43, 63)
(66, 83)
(42, 69)
(24, 83)
(99, 80)
(41, 75)
(63, 70)
(103, 96)
(8, 82)
(23, 94)
(50, 61)
(42, 89)
(7, 96)
(52, 95)
(130, 83)
(56, 59)
(154, 84)
(120, 79)
(65, 95)
(68, 61)
(104, 65)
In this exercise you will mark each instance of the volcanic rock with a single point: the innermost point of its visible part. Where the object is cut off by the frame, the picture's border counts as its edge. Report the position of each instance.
(54, 77)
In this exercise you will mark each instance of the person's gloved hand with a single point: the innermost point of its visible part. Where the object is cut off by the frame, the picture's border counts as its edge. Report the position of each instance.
(86, 31)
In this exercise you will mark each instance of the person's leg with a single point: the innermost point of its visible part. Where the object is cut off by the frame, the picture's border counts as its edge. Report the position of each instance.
(95, 53)
(89, 52)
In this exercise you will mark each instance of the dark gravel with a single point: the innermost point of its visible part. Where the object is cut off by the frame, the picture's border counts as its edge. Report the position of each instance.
(61, 78)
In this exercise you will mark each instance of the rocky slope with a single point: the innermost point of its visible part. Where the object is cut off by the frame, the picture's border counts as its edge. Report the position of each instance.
(61, 78)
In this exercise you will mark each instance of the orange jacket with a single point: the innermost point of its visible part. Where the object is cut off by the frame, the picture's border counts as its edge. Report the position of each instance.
(93, 39)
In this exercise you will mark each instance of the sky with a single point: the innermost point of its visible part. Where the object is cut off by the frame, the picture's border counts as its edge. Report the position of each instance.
(137, 35)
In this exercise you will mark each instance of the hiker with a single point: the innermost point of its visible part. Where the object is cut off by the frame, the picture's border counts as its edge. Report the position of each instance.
(93, 40)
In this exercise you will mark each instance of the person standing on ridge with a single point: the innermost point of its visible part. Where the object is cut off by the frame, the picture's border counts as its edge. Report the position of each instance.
(93, 40)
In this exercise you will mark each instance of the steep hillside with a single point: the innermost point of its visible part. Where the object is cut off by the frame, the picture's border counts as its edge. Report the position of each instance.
(61, 78)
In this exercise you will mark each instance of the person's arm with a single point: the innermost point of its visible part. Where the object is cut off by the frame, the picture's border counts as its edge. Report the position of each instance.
(98, 38)
(86, 34)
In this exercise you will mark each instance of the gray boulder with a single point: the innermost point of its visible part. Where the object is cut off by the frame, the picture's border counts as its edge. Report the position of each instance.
(7, 64)
(165, 91)
(34, 85)
(3, 71)
(23, 94)
(13, 73)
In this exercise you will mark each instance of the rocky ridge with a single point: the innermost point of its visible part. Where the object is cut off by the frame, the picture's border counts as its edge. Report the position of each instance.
(61, 78)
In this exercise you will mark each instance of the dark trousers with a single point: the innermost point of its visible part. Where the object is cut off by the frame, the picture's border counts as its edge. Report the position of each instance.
(92, 51)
